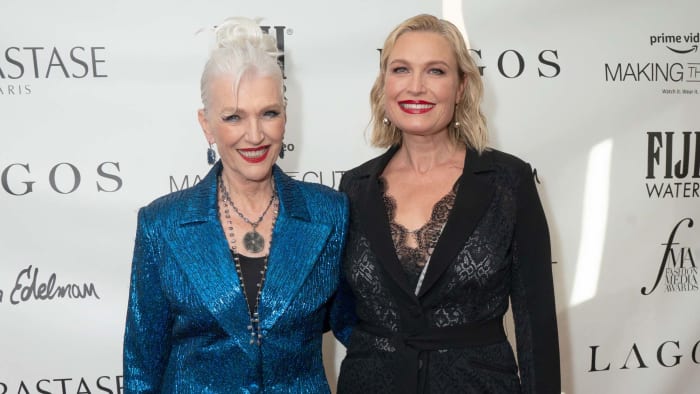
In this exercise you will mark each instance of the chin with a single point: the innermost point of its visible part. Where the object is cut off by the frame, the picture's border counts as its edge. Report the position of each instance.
(250, 172)
(258, 174)
(423, 129)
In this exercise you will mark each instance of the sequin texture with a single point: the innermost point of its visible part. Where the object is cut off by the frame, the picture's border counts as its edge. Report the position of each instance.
(186, 327)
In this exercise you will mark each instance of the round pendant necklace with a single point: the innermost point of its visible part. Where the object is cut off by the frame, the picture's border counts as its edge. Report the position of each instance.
(252, 240)
(254, 326)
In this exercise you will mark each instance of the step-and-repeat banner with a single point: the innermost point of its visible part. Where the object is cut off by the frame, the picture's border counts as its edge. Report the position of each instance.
(98, 108)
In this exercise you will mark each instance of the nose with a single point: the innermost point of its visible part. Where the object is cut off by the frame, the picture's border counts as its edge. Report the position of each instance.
(416, 85)
(255, 134)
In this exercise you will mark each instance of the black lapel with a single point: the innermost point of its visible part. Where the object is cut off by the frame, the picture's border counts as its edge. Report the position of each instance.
(375, 222)
(471, 202)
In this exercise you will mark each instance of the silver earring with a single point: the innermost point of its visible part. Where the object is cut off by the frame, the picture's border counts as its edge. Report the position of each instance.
(457, 124)
(386, 121)
(211, 156)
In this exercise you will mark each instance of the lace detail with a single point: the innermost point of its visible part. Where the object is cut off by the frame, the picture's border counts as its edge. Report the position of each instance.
(367, 278)
(413, 259)
(482, 270)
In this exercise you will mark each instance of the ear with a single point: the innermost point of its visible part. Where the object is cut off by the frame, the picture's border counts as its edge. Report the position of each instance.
(204, 123)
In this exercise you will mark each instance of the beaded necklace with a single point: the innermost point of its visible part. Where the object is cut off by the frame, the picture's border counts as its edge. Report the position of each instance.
(254, 326)
(252, 240)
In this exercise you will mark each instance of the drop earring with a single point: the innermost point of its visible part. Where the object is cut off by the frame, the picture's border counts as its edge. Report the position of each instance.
(456, 123)
(211, 155)
(284, 148)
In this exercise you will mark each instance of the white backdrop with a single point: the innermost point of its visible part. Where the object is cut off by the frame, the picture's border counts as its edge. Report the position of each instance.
(98, 116)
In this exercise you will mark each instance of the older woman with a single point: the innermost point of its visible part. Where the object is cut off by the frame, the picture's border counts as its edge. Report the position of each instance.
(444, 232)
(233, 279)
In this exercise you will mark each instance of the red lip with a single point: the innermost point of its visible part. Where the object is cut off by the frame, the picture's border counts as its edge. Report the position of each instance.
(416, 106)
(255, 158)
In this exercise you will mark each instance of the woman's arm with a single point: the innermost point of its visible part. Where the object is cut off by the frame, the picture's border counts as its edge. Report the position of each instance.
(342, 308)
(147, 333)
(532, 293)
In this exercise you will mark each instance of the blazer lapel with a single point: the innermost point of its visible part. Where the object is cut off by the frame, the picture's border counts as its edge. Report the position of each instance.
(375, 223)
(202, 252)
(296, 244)
(471, 202)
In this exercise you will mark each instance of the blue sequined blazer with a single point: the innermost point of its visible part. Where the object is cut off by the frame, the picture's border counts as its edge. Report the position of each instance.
(187, 319)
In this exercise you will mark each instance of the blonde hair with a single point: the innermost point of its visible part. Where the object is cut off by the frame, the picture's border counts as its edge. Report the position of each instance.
(241, 47)
(472, 130)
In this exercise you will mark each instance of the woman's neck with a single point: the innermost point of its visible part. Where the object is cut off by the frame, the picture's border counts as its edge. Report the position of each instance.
(421, 154)
(250, 195)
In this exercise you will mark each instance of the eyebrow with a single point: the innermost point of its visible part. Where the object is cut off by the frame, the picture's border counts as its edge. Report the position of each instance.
(229, 109)
(429, 63)
(236, 110)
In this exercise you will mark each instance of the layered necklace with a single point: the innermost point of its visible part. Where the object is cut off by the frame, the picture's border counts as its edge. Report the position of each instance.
(256, 247)
(253, 242)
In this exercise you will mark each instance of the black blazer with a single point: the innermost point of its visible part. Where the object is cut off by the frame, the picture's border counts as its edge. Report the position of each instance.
(449, 337)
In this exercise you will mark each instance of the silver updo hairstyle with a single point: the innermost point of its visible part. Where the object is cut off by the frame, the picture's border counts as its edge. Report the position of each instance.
(241, 47)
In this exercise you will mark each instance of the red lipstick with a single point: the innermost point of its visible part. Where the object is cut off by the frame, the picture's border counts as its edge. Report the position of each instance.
(254, 155)
(416, 106)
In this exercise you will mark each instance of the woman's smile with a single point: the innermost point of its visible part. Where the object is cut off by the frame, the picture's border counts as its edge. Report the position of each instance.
(254, 155)
(416, 106)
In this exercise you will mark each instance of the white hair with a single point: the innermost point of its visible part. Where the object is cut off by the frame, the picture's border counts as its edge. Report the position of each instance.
(241, 47)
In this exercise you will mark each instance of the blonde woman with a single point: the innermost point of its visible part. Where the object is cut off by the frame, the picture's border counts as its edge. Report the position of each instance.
(444, 233)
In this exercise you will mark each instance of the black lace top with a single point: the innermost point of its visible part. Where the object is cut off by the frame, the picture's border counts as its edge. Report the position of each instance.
(425, 237)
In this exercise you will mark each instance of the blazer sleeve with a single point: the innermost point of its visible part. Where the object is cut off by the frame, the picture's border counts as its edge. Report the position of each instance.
(342, 309)
(147, 333)
(532, 293)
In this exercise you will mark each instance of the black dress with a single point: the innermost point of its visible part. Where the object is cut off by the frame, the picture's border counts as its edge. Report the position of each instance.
(449, 338)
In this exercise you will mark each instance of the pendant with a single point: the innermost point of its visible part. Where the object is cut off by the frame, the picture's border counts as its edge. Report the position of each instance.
(253, 242)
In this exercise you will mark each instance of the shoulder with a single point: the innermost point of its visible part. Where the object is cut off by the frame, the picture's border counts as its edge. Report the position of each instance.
(191, 203)
(508, 173)
(165, 208)
(505, 160)
(507, 165)
(170, 200)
